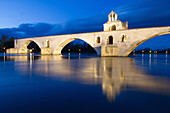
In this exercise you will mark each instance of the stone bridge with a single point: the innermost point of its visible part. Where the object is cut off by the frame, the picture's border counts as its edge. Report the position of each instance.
(115, 40)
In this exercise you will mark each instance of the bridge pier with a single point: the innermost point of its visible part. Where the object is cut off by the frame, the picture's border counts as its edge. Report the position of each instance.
(46, 51)
(12, 51)
(23, 51)
(109, 50)
(15, 51)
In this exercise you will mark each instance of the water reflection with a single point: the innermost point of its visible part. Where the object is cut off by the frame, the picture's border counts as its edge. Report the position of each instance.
(115, 74)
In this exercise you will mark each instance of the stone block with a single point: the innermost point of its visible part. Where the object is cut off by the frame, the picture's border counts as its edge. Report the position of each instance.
(46, 51)
(12, 51)
(24, 51)
(109, 51)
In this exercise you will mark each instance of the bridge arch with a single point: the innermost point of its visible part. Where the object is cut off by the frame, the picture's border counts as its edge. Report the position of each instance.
(23, 48)
(61, 45)
(136, 44)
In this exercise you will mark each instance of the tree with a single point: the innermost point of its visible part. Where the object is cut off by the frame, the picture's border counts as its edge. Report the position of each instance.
(10, 42)
(4, 39)
(6, 42)
(168, 50)
(147, 49)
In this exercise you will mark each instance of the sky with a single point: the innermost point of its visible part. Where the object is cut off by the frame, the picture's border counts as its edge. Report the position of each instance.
(31, 18)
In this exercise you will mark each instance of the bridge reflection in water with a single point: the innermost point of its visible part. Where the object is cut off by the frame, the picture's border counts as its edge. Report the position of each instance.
(115, 74)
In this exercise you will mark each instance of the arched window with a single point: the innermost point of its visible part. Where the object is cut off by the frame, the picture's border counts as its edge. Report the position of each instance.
(113, 27)
(98, 39)
(123, 38)
(48, 43)
(110, 40)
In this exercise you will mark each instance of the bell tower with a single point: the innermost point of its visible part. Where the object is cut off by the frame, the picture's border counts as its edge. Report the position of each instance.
(112, 16)
(114, 24)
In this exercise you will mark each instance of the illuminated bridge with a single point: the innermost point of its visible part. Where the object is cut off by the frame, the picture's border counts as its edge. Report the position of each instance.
(115, 40)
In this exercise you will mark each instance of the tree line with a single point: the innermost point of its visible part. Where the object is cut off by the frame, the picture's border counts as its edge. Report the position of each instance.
(150, 51)
(6, 42)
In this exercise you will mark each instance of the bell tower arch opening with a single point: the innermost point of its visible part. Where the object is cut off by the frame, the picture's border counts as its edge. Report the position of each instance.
(112, 16)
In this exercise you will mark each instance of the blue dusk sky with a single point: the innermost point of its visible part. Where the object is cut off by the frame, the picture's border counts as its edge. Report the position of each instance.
(31, 18)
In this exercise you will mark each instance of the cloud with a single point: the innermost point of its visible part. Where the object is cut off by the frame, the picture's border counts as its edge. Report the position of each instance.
(145, 13)
(91, 24)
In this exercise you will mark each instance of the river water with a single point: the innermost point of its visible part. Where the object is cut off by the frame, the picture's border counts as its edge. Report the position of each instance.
(84, 84)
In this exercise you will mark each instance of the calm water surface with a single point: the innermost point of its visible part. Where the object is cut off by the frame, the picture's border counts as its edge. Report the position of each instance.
(84, 84)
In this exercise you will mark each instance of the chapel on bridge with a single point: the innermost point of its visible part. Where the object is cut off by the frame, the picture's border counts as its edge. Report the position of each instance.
(114, 24)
